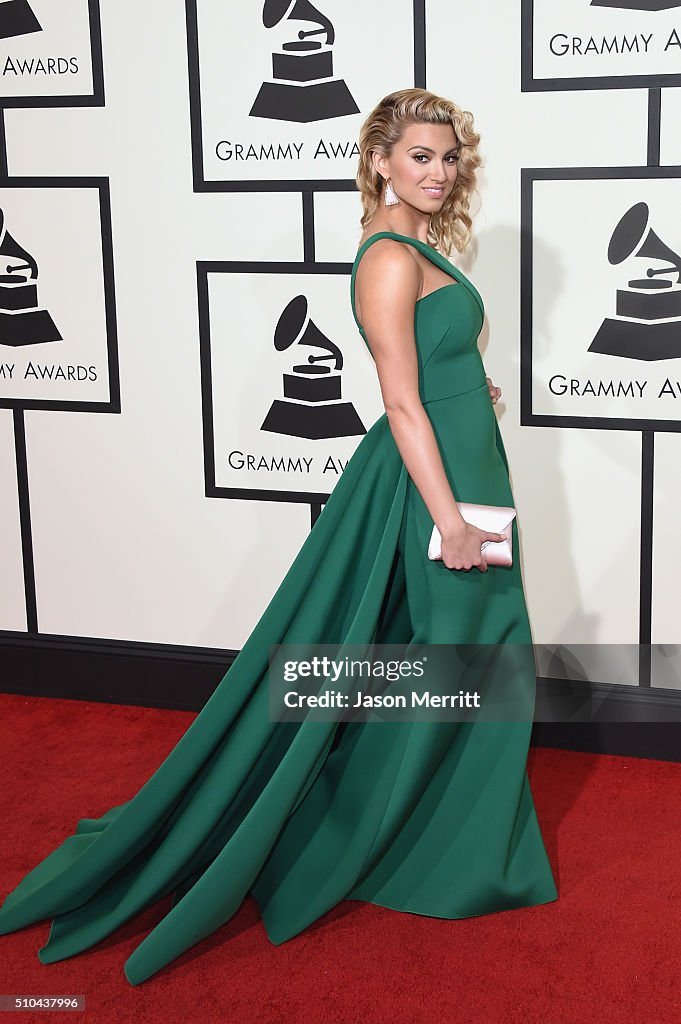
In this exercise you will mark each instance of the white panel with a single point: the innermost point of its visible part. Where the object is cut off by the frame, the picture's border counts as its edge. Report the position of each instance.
(670, 136)
(337, 226)
(666, 621)
(12, 602)
(263, 439)
(285, 125)
(578, 499)
(49, 56)
(66, 361)
(604, 40)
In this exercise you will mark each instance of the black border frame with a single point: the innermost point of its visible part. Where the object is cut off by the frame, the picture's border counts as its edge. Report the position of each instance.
(277, 184)
(66, 405)
(528, 175)
(203, 269)
(528, 83)
(96, 99)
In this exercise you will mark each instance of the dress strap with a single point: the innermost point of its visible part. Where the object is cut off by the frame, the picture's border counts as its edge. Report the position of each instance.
(433, 255)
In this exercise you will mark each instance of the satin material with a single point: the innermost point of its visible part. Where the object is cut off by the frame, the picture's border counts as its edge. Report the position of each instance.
(487, 517)
(432, 818)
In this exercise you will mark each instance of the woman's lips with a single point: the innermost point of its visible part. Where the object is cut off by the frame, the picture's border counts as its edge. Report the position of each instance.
(434, 191)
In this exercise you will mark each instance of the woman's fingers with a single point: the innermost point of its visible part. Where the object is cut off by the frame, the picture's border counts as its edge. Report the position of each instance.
(494, 391)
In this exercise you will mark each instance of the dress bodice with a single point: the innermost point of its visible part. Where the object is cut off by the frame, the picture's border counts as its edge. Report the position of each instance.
(447, 323)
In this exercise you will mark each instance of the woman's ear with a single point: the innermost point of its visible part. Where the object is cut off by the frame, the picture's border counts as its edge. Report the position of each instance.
(379, 165)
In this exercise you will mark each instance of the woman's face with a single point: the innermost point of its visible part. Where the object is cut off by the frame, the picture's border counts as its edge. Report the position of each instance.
(423, 165)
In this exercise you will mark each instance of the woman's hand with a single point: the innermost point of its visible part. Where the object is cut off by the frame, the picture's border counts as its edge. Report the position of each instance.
(494, 392)
(461, 548)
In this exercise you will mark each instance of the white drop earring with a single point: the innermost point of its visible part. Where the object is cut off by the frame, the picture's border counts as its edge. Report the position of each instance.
(390, 197)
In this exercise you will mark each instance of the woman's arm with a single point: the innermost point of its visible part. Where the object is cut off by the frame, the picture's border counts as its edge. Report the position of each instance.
(386, 285)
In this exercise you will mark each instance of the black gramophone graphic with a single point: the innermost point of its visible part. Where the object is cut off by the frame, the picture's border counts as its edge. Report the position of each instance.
(303, 88)
(651, 305)
(312, 405)
(22, 322)
(17, 19)
(638, 5)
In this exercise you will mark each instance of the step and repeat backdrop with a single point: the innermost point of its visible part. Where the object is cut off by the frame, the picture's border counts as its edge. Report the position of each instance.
(181, 379)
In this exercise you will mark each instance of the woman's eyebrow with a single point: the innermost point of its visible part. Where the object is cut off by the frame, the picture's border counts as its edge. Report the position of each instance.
(450, 150)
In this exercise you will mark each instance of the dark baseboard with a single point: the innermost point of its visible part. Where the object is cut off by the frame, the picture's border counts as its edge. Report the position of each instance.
(660, 741)
(111, 671)
(182, 678)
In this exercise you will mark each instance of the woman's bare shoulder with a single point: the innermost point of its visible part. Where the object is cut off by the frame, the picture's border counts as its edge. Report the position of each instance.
(386, 259)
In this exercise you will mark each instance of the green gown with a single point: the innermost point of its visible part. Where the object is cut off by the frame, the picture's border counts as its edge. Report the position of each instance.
(432, 818)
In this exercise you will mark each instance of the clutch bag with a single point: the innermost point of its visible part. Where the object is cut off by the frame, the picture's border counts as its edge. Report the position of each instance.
(496, 519)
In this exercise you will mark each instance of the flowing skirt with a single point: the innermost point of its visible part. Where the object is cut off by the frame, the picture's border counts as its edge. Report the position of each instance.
(433, 818)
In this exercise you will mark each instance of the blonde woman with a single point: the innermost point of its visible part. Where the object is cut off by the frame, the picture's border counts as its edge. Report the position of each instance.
(426, 817)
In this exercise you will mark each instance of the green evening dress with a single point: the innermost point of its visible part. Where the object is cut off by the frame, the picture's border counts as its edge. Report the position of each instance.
(426, 817)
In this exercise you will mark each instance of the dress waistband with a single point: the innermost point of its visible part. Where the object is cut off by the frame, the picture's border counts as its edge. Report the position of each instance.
(461, 379)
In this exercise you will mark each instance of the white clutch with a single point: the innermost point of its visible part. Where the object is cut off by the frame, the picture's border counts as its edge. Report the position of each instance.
(496, 519)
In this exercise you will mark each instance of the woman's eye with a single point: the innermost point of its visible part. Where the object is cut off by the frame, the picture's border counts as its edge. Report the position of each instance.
(452, 158)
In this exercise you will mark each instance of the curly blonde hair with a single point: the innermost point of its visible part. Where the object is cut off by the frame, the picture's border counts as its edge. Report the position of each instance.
(451, 226)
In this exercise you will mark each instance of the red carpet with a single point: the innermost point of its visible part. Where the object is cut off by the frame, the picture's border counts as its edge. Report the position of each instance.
(607, 950)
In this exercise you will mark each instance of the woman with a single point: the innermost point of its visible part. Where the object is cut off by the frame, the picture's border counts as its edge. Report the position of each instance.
(426, 182)
(426, 817)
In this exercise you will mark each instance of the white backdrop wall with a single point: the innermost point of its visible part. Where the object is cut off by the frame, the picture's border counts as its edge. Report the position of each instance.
(125, 540)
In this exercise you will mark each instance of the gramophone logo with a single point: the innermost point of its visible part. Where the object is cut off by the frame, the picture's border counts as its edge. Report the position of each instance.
(22, 322)
(303, 87)
(17, 19)
(312, 406)
(638, 5)
(647, 324)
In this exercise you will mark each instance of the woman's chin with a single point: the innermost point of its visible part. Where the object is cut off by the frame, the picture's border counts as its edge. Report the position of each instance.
(433, 205)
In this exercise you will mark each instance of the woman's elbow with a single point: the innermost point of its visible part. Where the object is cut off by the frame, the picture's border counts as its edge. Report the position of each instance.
(404, 410)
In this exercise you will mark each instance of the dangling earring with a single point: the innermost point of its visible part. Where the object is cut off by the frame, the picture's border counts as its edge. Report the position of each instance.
(390, 197)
